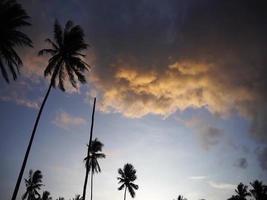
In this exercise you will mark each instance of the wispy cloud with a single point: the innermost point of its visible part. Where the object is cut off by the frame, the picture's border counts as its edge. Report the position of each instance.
(221, 185)
(197, 177)
(66, 120)
(18, 93)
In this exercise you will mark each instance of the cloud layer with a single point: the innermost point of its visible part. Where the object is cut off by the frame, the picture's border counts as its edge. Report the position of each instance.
(66, 121)
(162, 57)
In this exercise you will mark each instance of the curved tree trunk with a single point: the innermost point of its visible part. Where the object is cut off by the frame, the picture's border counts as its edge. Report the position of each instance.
(30, 144)
(125, 193)
(92, 175)
(89, 146)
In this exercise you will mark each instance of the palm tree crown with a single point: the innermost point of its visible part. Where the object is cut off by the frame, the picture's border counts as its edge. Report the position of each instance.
(126, 179)
(94, 155)
(12, 17)
(180, 197)
(33, 185)
(66, 56)
(242, 191)
(258, 191)
(46, 196)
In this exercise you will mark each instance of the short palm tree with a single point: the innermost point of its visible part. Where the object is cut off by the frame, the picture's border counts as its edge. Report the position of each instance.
(66, 60)
(46, 196)
(33, 185)
(258, 191)
(242, 191)
(126, 179)
(91, 162)
(12, 18)
(180, 197)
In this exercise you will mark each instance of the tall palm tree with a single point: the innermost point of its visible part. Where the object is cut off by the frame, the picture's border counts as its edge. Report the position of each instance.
(12, 18)
(88, 151)
(66, 58)
(46, 196)
(91, 161)
(33, 185)
(258, 191)
(126, 179)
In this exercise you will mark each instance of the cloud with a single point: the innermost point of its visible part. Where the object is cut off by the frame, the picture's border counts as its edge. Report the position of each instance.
(66, 121)
(208, 135)
(241, 163)
(221, 186)
(197, 177)
(262, 157)
(198, 55)
(18, 93)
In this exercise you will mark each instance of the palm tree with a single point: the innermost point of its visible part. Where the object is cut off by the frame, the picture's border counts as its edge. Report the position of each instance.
(12, 18)
(88, 151)
(126, 179)
(46, 196)
(92, 160)
(33, 185)
(66, 58)
(242, 191)
(258, 191)
(180, 197)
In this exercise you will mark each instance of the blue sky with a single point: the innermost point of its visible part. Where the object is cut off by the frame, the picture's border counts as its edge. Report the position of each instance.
(178, 96)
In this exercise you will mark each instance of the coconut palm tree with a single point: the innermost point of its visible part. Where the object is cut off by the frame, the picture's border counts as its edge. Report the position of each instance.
(12, 18)
(258, 191)
(66, 60)
(91, 162)
(242, 191)
(180, 197)
(88, 151)
(126, 179)
(46, 196)
(33, 185)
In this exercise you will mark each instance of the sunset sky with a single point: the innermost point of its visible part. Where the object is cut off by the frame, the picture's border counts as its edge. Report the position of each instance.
(181, 94)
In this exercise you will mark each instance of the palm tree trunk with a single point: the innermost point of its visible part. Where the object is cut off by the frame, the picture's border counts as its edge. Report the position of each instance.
(125, 193)
(30, 144)
(92, 175)
(89, 146)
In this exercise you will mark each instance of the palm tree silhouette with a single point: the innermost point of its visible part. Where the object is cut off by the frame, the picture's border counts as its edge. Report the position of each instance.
(92, 160)
(88, 151)
(66, 58)
(126, 179)
(258, 191)
(33, 185)
(46, 196)
(12, 18)
(180, 197)
(241, 192)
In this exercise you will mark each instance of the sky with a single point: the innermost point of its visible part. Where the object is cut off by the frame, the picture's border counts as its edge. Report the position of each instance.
(181, 94)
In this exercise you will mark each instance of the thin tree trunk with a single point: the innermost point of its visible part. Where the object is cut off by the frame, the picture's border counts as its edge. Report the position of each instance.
(89, 146)
(125, 193)
(92, 175)
(30, 144)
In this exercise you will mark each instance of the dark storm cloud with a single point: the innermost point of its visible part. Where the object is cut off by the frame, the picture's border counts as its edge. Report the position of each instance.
(262, 157)
(213, 52)
(162, 56)
(241, 163)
